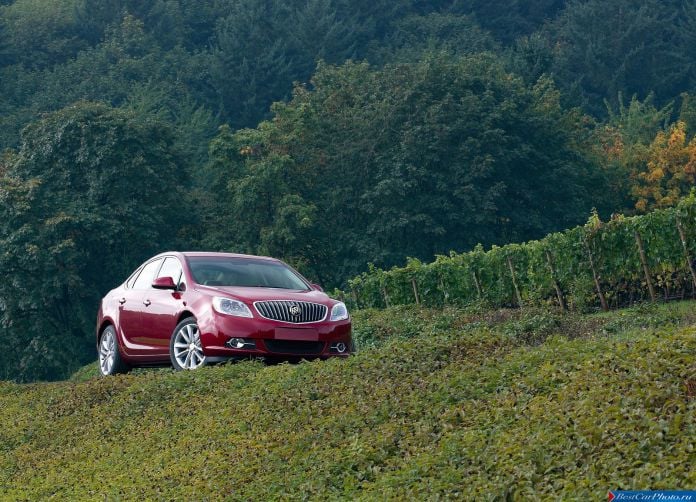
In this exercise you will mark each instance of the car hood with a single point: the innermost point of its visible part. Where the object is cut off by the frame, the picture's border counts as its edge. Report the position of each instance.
(260, 294)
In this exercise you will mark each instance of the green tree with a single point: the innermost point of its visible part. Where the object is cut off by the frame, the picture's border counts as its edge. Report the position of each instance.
(509, 19)
(250, 65)
(607, 48)
(39, 33)
(686, 38)
(531, 57)
(412, 160)
(413, 35)
(262, 46)
(126, 69)
(623, 144)
(189, 23)
(90, 194)
(687, 111)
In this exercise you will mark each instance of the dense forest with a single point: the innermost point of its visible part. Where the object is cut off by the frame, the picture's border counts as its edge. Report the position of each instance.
(329, 133)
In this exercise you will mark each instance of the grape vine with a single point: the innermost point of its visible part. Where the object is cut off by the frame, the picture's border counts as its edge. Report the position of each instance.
(597, 265)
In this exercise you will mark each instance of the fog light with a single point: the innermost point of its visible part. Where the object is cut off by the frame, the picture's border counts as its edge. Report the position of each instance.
(339, 347)
(241, 343)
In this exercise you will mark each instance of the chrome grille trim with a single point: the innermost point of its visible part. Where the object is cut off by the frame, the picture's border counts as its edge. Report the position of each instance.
(279, 310)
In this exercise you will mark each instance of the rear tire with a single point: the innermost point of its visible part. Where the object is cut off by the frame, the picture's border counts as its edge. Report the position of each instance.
(110, 360)
(185, 348)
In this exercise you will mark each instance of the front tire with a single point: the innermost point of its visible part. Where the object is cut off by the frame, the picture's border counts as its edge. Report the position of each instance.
(110, 360)
(185, 348)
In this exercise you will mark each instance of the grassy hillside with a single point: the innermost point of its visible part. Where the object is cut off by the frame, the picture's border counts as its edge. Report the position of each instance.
(460, 404)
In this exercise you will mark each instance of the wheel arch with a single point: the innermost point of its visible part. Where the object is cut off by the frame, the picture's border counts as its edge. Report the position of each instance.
(104, 324)
(185, 315)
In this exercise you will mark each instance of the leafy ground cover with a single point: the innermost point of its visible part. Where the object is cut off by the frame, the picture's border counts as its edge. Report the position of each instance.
(454, 403)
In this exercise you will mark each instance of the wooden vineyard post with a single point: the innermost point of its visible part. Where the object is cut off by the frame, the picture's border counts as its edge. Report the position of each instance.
(386, 297)
(355, 297)
(445, 296)
(602, 300)
(415, 291)
(689, 264)
(477, 283)
(644, 262)
(556, 285)
(514, 282)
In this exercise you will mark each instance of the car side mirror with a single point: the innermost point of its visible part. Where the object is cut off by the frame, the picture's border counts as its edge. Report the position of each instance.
(164, 283)
(317, 287)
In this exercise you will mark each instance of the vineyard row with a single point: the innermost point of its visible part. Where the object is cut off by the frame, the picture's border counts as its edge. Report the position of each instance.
(598, 265)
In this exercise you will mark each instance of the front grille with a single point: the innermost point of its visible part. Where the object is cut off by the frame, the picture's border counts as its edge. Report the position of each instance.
(282, 310)
(294, 347)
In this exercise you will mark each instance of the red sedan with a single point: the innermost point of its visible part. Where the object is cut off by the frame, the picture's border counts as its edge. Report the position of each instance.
(192, 309)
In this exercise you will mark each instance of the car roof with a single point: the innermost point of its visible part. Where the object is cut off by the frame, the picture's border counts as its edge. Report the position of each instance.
(217, 254)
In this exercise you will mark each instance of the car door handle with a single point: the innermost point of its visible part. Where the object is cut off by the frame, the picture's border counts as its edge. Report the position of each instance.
(147, 303)
(122, 301)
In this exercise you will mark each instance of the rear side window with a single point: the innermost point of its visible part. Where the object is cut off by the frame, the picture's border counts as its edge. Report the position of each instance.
(132, 278)
(171, 268)
(145, 278)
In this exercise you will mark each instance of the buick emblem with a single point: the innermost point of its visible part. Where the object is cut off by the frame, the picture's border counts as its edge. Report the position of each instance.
(295, 310)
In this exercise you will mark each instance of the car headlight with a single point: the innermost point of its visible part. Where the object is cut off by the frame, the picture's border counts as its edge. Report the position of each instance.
(339, 312)
(231, 307)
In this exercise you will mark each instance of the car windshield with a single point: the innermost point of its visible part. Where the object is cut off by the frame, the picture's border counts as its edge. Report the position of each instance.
(244, 272)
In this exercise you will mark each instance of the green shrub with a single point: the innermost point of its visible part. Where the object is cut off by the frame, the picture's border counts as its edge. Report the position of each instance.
(474, 413)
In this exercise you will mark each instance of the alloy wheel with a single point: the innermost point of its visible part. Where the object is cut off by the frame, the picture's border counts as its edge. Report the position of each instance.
(107, 353)
(188, 351)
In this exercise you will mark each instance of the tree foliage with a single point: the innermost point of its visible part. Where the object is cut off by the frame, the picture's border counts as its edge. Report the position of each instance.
(647, 157)
(623, 46)
(621, 144)
(671, 170)
(509, 19)
(401, 128)
(87, 184)
(411, 160)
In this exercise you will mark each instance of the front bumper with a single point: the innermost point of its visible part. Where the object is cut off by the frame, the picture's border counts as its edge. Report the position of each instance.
(273, 339)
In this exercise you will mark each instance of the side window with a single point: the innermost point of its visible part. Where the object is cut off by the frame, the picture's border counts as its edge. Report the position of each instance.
(132, 278)
(171, 268)
(144, 280)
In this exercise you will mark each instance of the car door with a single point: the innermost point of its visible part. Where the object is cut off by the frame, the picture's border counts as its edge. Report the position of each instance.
(162, 307)
(128, 318)
(135, 337)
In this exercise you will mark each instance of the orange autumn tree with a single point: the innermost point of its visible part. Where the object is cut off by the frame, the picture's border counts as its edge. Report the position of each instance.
(670, 172)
